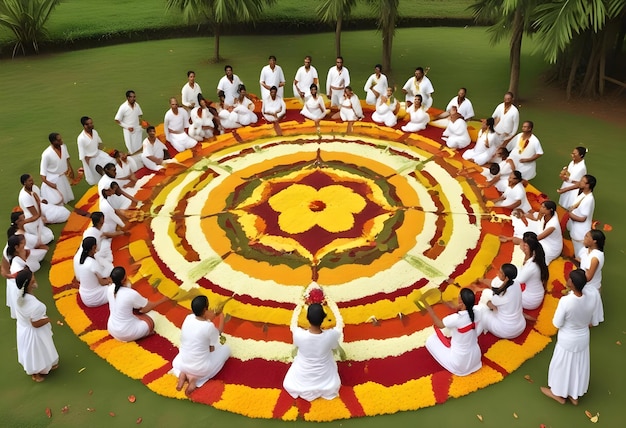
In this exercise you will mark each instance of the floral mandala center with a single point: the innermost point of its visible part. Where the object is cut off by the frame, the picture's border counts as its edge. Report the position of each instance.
(317, 206)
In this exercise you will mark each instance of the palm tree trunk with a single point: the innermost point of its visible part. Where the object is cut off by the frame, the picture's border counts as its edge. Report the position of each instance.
(572, 74)
(338, 36)
(216, 48)
(516, 52)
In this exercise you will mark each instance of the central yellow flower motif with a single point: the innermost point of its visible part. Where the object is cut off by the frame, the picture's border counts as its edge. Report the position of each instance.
(302, 207)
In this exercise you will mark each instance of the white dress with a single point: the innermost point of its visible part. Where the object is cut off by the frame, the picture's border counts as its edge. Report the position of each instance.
(338, 79)
(122, 324)
(456, 135)
(201, 124)
(91, 292)
(384, 112)
(305, 79)
(552, 244)
(418, 119)
(189, 95)
(529, 278)
(595, 283)
(35, 348)
(519, 148)
(423, 88)
(568, 374)
(378, 84)
(274, 106)
(37, 228)
(53, 167)
(230, 88)
(194, 357)
(17, 265)
(314, 108)
(576, 172)
(128, 116)
(507, 322)
(313, 373)
(480, 153)
(350, 109)
(514, 194)
(88, 147)
(272, 78)
(462, 355)
(465, 109)
(508, 121)
(586, 206)
(156, 150)
(178, 122)
(243, 112)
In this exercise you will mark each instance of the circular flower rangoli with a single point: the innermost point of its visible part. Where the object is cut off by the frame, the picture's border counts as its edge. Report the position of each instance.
(376, 218)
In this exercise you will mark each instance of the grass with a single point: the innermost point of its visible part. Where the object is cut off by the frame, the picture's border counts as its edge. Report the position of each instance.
(51, 92)
(100, 20)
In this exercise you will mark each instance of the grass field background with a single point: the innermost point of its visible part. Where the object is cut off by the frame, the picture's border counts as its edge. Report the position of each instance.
(50, 93)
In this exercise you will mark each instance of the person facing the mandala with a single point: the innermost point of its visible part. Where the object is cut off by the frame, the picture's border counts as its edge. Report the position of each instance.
(514, 196)
(201, 355)
(313, 373)
(123, 324)
(460, 353)
(500, 306)
(571, 175)
(524, 150)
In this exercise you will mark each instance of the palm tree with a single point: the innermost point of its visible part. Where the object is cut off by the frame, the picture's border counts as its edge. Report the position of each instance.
(387, 13)
(508, 17)
(26, 19)
(335, 11)
(575, 33)
(217, 13)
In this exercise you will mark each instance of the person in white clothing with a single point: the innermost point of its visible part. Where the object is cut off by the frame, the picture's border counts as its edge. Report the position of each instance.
(93, 286)
(524, 150)
(120, 199)
(103, 255)
(30, 202)
(123, 324)
(17, 258)
(189, 93)
(313, 373)
(113, 217)
(421, 85)
(201, 355)
(54, 169)
(128, 116)
(35, 348)
(460, 353)
(456, 135)
(314, 107)
(418, 118)
(305, 77)
(37, 250)
(350, 108)
(387, 108)
(592, 261)
(90, 151)
(533, 275)
(571, 175)
(272, 75)
(229, 84)
(498, 173)
(243, 109)
(580, 213)
(568, 373)
(175, 124)
(514, 196)
(274, 108)
(228, 118)
(506, 117)
(154, 151)
(203, 123)
(486, 144)
(463, 106)
(336, 81)
(375, 86)
(500, 307)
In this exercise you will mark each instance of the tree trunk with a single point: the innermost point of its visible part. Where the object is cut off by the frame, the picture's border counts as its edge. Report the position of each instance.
(516, 52)
(217, 43)
(338, 35)
(572, 73)
(590, 82)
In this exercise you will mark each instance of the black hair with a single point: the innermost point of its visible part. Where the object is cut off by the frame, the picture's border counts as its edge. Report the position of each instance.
(517, 175)
(13, 242)
(96, 217)
(87, 245)
(599, 237)
(420, 69)
(150, 128)
(23, 279)
(13, 228)
(579, 279)
(530, 123)
(190, 72)
(117, 276)
(315, 314)
(313, 85)
(591, 181)
(581, 151)
(84, 120)
(273, 88)
(469, 299)
(226, 67)
(200, 98)
(378, 66)
(130, 91)
(23, 178)
(241, 87)
(494, 169)
(550, 206)
(199, 304)
(510, 272)
(539, 255)
(490, 123)
(53, 136)
(272, 57)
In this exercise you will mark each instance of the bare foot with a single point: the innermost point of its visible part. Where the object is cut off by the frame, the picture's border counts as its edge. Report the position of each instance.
(191, 387)
(38, 377)
(573, 400)
(181, 381)
(548, 393)
(54, 367)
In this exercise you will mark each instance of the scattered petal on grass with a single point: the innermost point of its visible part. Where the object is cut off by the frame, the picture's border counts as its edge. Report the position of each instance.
(542, 426)
(60, 323)
(82, 370)
(480, 417)
(90, 392)
(528, 378)
(91, 409)
(111, 414)
(132, 398)
(515, 415)
(65, 409)
(139, 420)
(589, 414)
(618, 342)
(595, 418)
(48, 412)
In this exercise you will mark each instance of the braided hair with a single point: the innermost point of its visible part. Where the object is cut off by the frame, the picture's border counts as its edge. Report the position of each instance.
(117, 276)
(12, 244)
(88, 244)
(539, 255)
(510, 272)
(23, 279)
(468, 298)
(15, 216)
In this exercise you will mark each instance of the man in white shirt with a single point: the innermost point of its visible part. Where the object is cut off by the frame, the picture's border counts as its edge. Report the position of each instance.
(175, 124)
(336, 81)
(524, 150)
(128, 116)
(463, 106)
(274, 107)
(581, 212)
(190, 91)
(90, 153)
(305, 77)
(375, 86)
(229, 83)
(272, 75)
(419, 84)
(506, 118)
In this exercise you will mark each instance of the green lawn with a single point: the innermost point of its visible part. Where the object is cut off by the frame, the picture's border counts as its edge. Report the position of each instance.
(75, 19)
(51, 92)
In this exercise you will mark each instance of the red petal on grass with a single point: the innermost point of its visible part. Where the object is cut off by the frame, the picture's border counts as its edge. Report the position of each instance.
(48, 412)
(111, 414)
(65, 409)
(132, 398)
(139, 420)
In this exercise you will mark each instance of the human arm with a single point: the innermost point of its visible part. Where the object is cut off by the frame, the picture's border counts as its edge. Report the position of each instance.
(436, 320)
(40, 322)
(6, 268)
(151, 305)
(593, 267)
(531, 158)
